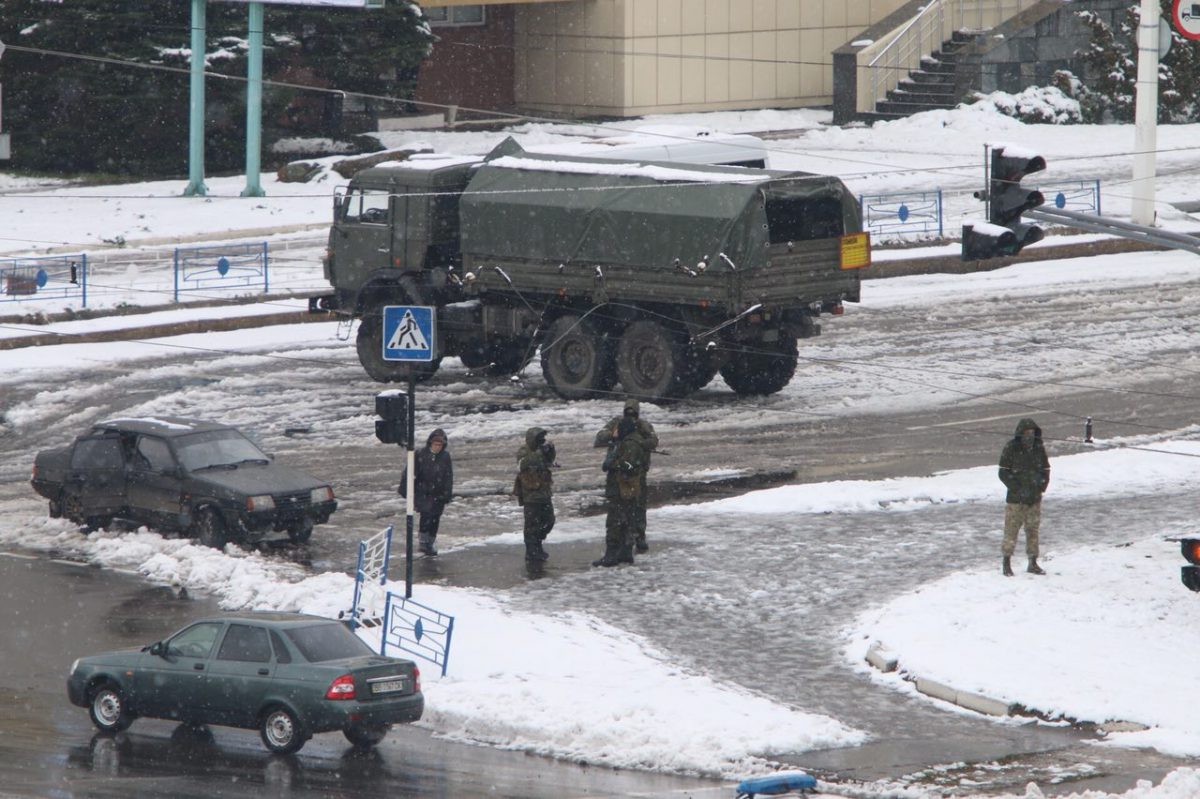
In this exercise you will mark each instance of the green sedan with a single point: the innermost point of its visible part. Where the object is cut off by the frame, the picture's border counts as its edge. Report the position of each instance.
(286, 675)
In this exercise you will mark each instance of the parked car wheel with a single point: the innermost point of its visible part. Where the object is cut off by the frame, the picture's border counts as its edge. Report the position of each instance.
(56, 510)
(108, 710)
(281, 732)
(210, 529)
(300, 532)
(365, 736)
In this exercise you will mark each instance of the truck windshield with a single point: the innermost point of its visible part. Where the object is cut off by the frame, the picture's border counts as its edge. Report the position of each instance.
(217, 448)
(367, 205)
(331, 641)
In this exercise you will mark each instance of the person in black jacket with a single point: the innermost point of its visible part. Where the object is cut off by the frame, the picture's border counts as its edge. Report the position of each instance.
(433, 484)
(1025, 472)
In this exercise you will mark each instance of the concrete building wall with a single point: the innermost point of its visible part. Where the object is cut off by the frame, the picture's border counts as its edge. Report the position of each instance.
(633, 57)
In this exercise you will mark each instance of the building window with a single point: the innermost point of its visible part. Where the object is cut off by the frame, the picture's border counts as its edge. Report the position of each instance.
(456, 15)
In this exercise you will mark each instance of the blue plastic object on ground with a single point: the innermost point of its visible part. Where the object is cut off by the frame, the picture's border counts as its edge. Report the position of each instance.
(775, 784)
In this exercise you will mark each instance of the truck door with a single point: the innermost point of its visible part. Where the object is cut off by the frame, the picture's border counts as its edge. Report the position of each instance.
(96, 476)
(154, 483)
(363, 243)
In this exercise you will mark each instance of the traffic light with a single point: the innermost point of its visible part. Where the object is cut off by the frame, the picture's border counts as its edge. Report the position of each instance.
(392, 426)
(1190, 547)
(1005, 233)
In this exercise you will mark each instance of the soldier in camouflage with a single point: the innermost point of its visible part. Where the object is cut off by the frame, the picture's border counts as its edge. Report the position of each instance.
(534, 488)
(607, 436)
(1025, 471)
(625, 465)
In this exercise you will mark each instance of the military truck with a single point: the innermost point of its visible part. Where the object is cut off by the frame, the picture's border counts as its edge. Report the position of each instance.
(655, 275)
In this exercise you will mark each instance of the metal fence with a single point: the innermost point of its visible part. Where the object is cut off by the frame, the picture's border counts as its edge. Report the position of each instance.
(370, 580)
(223, 266)
(417, 630)
(44, 277)
(1083, 196)
(892, 215)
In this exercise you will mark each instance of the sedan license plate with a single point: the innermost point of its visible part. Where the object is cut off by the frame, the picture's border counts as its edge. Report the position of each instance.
(388, 686)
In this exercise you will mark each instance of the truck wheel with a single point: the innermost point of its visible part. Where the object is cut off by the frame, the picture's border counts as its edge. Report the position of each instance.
(654, 363)
(763, 367)
(209, 529)
(704, 369)
(370, 353)
(577, 359)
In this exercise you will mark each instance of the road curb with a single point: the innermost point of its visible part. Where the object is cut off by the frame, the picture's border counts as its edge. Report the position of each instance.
(164, 330)
(883, 660)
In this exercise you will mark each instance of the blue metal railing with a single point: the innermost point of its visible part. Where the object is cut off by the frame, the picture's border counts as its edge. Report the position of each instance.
(221, 266)
(892, 215)
(44, 277)
(417, 630)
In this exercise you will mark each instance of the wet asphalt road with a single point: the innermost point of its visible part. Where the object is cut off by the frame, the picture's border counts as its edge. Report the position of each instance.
(56, 611)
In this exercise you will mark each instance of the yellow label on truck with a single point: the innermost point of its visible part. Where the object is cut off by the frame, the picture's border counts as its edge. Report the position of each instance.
(856, 250)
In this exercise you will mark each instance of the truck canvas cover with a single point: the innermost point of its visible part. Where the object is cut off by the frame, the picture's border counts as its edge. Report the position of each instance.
(644, 215)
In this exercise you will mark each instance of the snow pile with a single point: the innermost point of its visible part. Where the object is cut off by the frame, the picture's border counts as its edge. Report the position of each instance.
(564, 686)
(1033, 105)
(1097, 639)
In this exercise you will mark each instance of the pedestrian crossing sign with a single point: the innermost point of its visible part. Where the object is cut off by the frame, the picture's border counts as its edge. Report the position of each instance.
(408, 333)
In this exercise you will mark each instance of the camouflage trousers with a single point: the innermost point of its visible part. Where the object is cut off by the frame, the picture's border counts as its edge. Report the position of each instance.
(1017, 516)
(620, 526)
(539, 521)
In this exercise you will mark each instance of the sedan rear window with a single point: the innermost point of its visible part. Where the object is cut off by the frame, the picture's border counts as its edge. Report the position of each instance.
(332, 641)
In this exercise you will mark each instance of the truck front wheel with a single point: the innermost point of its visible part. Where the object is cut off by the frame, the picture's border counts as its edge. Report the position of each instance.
(370, 353)
(577, 359)
(762, 368)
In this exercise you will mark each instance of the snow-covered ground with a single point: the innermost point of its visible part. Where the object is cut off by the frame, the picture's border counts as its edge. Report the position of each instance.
(1106, 635)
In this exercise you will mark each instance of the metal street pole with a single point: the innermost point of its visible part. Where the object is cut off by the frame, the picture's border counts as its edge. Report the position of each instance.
(412, 474)
(254, 103)
(195, 186)
(1145, 115)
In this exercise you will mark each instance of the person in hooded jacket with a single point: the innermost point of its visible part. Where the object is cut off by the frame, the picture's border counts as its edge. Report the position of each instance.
(607, 436)
(534, 488)
(433, 484)
(1025, 471)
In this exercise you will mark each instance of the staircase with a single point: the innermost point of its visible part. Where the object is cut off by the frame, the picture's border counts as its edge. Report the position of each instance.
(930, 86)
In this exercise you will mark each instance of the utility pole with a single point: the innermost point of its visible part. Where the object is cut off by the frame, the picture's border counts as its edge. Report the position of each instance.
(254, 103)
(1146, 115)
(5, 151)
(195, 186)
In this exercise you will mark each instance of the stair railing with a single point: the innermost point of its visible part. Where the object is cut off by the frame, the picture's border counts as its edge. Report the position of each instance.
(894, 56)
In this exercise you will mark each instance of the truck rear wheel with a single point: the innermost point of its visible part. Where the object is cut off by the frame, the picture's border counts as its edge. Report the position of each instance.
(370, 354)
(763, 367)
(577, 359)
(654, 362)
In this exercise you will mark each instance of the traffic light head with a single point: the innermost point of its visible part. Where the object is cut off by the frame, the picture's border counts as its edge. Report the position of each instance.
(981, 240)
(1008, 200)
(1190, 575)
(392, 426)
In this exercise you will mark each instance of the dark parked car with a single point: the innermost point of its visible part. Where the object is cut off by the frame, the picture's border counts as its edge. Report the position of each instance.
(286, 675)
(200, 478)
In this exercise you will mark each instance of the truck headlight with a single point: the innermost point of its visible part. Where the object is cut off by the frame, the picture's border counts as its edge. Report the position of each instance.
(322, 494)
(262, 502)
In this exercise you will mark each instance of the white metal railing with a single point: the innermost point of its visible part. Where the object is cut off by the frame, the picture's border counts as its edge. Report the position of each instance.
(892, 57)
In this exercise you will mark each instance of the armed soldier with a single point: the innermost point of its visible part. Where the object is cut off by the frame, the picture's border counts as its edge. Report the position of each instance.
(534, 488)
(607, 436)
(625, 465)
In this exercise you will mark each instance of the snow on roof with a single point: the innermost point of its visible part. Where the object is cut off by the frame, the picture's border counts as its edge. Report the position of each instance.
(651, 171)
(426, 162)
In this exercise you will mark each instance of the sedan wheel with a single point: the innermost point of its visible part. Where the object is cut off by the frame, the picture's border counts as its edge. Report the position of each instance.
(210, 530)
(366, 736)
(281, 731)
(300, 532)
(108, 710)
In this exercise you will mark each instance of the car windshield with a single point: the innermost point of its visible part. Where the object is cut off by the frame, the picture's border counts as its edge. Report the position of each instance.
(332, 641)
(217, 448)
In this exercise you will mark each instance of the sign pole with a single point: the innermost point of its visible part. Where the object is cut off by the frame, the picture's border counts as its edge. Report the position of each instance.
(1145, 115)
(195, 186)
(412, 473)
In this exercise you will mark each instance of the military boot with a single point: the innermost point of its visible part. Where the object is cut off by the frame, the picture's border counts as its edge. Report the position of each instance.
(625, 554)
(1008, 572)
(642, 546)
(426, 546)
(609, 558)
(1034, 568)
(541, 552)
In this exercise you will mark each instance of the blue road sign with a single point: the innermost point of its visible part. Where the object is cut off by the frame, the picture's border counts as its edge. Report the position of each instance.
(408, 333)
